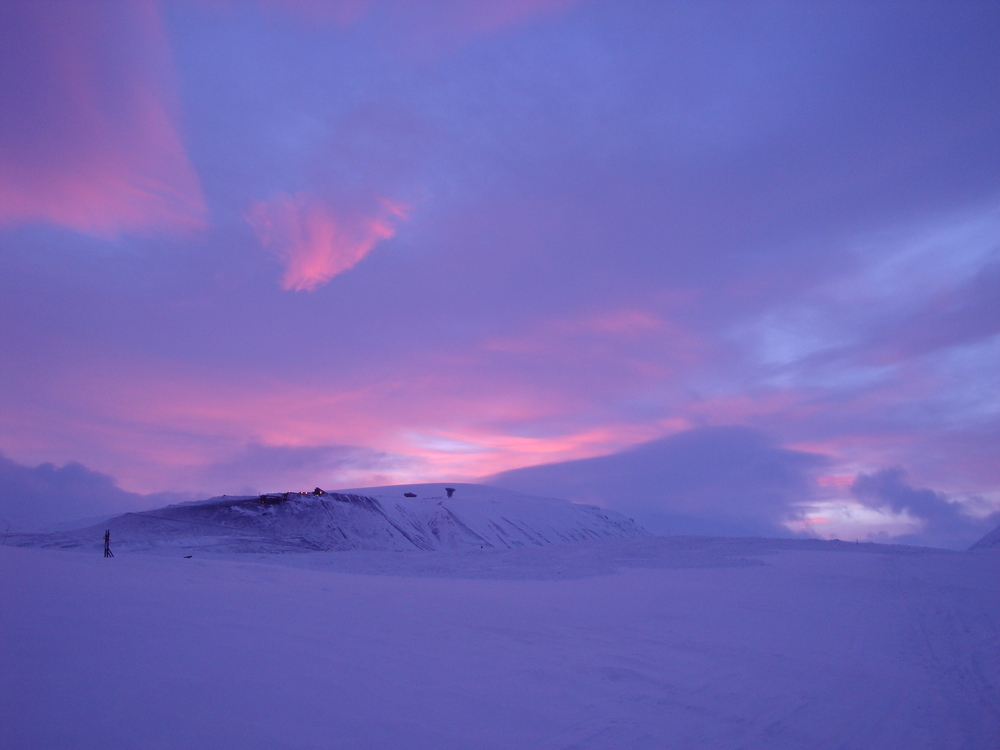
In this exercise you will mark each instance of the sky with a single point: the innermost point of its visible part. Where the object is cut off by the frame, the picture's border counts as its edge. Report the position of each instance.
(252, 245)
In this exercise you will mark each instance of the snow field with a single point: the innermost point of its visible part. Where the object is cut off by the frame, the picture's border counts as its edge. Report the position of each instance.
(677, 643)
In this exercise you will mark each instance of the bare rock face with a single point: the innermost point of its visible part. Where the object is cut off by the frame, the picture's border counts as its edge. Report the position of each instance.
(990, 540)
(383, 518)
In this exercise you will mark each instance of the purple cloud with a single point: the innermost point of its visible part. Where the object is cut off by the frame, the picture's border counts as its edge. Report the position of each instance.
(628, 220)
(708, 480)
(943, 522)
(314, 245)
(89, 138)
(34, 496)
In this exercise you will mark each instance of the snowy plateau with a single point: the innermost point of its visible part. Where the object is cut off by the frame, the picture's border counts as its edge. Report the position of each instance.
(366, 619)
(402, 517)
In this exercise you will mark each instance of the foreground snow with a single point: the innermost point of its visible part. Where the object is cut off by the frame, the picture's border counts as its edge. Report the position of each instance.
(641, 643)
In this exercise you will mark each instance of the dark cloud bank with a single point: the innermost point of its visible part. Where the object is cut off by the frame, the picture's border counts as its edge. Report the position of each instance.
(713, 480)
(35, 496)
(723, 481)
(32, 497)
(733, 481)
(945, 525)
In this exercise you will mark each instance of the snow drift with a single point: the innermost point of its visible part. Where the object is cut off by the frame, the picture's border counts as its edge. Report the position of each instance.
(408, 517)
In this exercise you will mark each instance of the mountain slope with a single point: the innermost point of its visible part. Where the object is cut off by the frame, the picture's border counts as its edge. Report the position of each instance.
(990, 540)
(381, 518)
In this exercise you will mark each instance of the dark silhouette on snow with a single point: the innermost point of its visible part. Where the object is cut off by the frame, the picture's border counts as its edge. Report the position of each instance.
(107, 544)
(274, 498)
(450, 491)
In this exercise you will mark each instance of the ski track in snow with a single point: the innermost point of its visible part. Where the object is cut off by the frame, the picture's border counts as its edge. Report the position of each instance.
(681, 642)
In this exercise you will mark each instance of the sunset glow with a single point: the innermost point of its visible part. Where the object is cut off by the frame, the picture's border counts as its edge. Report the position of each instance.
(269, 243)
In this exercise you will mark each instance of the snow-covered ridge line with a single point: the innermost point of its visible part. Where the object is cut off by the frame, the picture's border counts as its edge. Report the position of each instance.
(390, 518)
(989, 541)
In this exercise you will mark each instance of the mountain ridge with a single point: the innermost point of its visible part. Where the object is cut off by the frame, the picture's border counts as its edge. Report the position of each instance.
(379, 518)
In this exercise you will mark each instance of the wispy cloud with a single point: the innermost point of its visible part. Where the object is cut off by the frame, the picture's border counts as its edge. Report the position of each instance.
(313, 243)
(635, 219)
(89, 137)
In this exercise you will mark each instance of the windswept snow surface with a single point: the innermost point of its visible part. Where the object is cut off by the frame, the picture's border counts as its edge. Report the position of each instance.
(379, 518)
(650, 642)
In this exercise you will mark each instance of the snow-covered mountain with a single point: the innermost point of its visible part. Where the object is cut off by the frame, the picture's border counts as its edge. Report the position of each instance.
(423, 517)
(990, 540)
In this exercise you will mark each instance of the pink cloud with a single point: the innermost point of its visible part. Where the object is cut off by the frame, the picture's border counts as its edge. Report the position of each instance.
(155, 425)
(314, 245)
(839, 481)
(625, 322)
(619, 324)
(89, 139)
(604, 352)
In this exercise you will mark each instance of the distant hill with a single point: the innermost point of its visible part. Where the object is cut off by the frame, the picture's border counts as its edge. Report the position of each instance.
(380, 518)
(990, 540)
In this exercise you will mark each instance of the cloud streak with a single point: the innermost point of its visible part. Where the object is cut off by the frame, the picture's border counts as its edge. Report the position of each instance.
(635, 219)
(269, 468)
(88, 134)
(313, 244)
